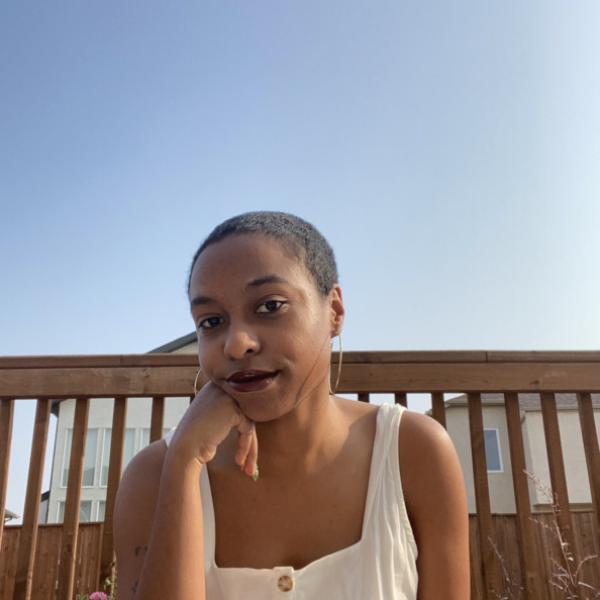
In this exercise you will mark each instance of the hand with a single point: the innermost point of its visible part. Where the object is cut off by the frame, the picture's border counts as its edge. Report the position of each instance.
(207, 422)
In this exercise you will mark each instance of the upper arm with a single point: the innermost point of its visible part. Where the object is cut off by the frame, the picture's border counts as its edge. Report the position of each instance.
(134, 514)
(436, 502)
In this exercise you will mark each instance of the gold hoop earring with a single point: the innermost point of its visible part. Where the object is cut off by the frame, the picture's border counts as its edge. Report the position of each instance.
(196, 382)
(339, 367)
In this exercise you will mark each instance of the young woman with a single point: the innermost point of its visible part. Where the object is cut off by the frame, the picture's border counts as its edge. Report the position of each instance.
(351, 502)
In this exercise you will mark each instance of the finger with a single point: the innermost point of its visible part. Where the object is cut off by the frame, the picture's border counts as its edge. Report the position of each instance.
(246, 429)
(252, 458)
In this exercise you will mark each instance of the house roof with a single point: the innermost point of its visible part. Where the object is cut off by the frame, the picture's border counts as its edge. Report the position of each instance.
(180, 342)
(527, 401)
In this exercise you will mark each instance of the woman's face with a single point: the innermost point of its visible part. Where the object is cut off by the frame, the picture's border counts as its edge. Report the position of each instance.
(255, 307)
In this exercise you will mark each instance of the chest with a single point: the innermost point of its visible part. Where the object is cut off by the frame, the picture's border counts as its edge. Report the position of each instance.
(268, 525)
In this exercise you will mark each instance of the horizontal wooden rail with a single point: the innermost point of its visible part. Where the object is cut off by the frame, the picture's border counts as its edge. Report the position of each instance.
(351, 356)
(47, 379)
(383, 372)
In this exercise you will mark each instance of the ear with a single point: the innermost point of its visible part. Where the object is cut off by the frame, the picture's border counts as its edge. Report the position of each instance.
(336, 309)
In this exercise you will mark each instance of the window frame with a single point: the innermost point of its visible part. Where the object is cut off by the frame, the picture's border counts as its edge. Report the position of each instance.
(65, 468)
(496, 430)
(64, 504)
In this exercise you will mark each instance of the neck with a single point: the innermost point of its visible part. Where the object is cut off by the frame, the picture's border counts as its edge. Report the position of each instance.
(302, 441)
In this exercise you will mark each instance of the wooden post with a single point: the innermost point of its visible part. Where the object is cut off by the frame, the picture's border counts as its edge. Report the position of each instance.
(157, 418)
(6, 423)
(68, 550)
(438, 409)
(485, 524)
(27, 541)
(590, 446)
(557, 470)
(526, 535)
(400, 398)
(115, 467)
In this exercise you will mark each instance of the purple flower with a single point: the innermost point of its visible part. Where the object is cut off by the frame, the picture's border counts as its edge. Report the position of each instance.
(98, 596)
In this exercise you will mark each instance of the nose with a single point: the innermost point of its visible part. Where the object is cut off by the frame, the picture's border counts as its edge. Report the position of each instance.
(240, 341)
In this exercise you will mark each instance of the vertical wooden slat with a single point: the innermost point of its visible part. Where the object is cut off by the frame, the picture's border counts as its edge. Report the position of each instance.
(66, 574)
(363, 397)
(157, 418)
(438, 410)
(115, 467)
(557, 469)
(592, 453)
(526, 535)
(482, 495)
(400, 398)
(6, 424)
(27, 541)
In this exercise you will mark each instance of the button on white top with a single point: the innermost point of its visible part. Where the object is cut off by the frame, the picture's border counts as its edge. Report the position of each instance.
(285, 583)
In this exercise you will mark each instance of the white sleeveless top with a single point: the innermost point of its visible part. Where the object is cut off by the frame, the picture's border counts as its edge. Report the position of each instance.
(380, 566)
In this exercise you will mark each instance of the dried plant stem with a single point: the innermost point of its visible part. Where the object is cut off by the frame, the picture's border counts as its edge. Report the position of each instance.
(565, 578)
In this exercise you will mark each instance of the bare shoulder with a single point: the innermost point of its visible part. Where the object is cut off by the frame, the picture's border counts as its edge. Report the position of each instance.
(436, 502)
(134, 513)
(140, 480)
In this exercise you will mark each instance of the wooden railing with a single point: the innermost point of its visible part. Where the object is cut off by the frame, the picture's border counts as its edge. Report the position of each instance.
(46, 378)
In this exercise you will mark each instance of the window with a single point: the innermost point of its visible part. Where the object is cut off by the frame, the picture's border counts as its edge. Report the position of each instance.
(101, 510)
(85, 511)
(129, 449)
(128, 452)
(89, 458)
(105, 458)
(66, 456)
(145, 435)
(492, 451)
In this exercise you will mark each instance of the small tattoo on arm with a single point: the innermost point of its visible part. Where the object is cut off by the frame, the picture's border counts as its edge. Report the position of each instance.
(137, 551)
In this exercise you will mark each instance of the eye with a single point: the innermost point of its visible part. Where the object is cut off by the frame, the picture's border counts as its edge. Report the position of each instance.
(270, 304)
(208, 320)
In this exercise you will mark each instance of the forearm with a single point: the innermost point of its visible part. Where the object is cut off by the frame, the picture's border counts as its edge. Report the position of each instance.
(174, 563)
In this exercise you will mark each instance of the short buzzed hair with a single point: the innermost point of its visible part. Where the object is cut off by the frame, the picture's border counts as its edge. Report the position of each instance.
(298, 236)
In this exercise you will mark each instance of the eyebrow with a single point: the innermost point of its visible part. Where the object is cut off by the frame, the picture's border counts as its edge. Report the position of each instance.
(199, 300)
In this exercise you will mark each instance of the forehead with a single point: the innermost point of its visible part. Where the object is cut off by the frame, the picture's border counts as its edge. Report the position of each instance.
(237, 259)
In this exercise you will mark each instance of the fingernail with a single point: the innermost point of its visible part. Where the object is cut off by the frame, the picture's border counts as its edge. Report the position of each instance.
(255, 475)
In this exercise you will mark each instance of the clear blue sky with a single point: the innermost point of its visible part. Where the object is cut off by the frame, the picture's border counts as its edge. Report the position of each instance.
(449, 153)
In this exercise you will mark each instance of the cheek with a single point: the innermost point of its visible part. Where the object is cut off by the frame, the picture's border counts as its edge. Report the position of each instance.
(206, 359)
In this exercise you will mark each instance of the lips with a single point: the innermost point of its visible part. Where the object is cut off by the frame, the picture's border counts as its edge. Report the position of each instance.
(248, 376)
(252, 381)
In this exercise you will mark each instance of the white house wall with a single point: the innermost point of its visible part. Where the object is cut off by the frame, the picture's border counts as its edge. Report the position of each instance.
(100, 417)
(578, 485)
(500, 483)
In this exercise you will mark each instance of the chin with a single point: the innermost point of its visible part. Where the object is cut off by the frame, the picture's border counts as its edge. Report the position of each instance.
(261, 413)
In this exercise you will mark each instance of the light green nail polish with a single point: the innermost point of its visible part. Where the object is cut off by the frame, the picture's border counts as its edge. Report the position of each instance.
(255, 475)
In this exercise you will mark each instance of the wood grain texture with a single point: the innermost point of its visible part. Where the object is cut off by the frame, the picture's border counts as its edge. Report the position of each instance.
(66, 579)
(115, 467)
(487, 534)
(6, 425)
(529, 567)
(592, 452)
(556, 464)
(27, 543)
(157, 418)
